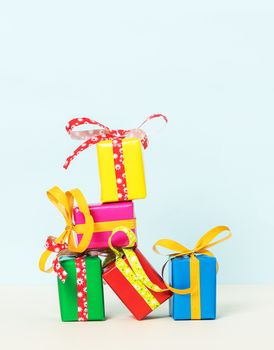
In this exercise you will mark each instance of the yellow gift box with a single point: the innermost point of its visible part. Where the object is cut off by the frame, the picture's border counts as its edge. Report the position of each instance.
(133, 170)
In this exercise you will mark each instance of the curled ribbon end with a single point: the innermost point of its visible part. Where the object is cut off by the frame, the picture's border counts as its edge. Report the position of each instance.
(92, 137)
(165, 118)
(66, 164)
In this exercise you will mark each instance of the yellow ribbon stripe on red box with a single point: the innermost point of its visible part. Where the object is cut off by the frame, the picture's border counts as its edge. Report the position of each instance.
(64, 203)
(201, 247)
(134, 273)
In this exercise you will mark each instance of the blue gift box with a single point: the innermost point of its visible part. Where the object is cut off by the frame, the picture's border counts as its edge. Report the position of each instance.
(180, 305)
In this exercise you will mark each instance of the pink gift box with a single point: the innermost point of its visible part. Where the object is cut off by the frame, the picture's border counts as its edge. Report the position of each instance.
(108, 216)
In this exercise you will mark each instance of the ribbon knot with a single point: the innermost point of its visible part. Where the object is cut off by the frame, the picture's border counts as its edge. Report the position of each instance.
(201, 247)
(70, 227)
(64, 203)
(139, 273)
(91, 137)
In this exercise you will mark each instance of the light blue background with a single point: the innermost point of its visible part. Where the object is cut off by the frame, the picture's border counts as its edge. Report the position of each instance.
(207, 65)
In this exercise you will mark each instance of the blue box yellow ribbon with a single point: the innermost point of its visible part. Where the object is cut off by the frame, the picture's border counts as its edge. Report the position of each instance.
(194, 274)
(180, 304)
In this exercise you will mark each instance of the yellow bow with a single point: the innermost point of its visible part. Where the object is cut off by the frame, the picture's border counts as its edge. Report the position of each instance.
(64, 203)
(201, 247)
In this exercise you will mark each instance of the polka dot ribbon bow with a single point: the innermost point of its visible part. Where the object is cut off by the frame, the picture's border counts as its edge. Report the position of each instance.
(57, 248)
(91, 137)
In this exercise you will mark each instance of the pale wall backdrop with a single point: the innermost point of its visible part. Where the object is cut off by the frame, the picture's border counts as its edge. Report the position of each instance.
(207, 65)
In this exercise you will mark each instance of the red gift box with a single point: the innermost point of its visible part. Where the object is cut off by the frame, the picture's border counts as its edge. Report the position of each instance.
(139, 300)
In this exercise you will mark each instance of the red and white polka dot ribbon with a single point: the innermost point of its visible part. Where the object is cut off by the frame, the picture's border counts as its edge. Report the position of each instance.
(91, 137)
(57, 248)
(81, 277)
(81, 286)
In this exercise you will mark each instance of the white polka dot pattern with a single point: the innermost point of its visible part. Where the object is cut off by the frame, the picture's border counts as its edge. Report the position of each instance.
(119, 167)
(104, 134)
(81, 278)
(116, 137)
(81, 289)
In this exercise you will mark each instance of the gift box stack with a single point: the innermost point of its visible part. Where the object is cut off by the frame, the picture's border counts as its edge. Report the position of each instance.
(100, 240)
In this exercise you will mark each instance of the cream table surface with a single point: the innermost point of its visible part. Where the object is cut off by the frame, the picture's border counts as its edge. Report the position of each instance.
(30, 320)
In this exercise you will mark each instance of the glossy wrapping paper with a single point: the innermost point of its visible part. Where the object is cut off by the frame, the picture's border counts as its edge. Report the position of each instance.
(131, 298)
(72, 299)
(106, 217)
(180, 305)
(121, 170)
(193, 275)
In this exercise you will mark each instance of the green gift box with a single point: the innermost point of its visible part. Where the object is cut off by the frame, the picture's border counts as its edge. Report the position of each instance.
(81, 296)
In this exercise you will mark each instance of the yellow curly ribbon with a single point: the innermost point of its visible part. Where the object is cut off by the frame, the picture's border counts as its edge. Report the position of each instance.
(64, 203)
(134, 272)
(201, 247)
